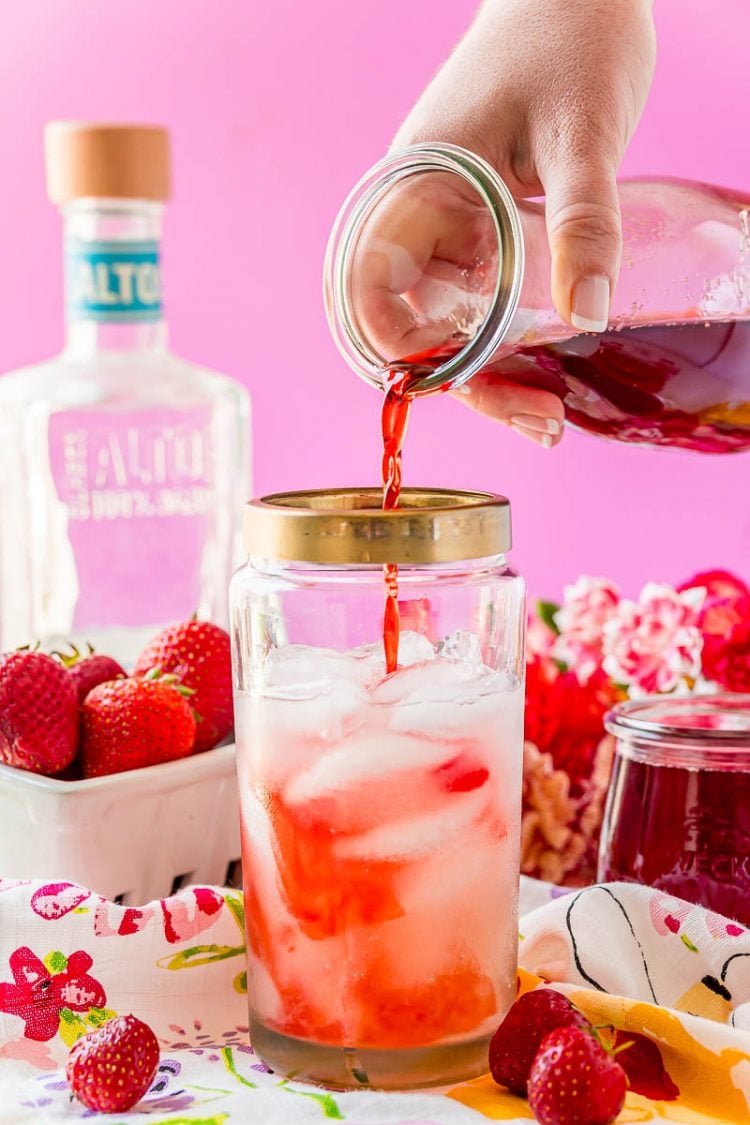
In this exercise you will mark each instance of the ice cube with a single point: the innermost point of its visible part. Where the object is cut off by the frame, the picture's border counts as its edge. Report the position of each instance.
(333, 711)
(416, 835)
(367, 757)
(374, 778)
(442, 698)
(414, 648)
(423, 682)
(303, 671)
(370, 663)
(463, 647)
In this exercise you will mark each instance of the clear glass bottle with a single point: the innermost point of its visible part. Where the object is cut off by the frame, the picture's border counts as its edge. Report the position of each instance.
(433, 266)
(380, 813)
(125, 467)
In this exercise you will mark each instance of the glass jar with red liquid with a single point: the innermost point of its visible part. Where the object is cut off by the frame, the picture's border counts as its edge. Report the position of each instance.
(678, 811)
(433, 269)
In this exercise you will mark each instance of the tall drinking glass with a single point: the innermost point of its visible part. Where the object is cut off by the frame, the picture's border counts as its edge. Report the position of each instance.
(380, 813)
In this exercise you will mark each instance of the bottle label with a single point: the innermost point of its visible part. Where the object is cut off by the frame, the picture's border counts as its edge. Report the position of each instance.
(112, 281)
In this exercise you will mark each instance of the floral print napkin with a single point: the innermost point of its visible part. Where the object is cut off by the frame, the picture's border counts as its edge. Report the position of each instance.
(631, 957)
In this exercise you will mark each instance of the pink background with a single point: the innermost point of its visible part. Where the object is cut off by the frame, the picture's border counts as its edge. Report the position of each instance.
(276, 109)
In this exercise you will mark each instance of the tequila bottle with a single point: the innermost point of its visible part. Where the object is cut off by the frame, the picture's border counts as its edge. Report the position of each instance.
(124, 467)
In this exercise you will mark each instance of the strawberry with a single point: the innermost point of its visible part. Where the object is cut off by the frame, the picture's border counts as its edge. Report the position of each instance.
(516, 1042)
(38, 713)
(132, 723)
(110, 1069)
(644, 1066)
(198, 653)
(89, 671)
(574, 1081)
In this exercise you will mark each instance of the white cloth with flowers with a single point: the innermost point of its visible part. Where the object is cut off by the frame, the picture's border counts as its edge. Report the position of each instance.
(628, 956)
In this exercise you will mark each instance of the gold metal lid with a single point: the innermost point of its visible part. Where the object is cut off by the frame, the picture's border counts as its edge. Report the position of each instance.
(348, 526)
(98, 161)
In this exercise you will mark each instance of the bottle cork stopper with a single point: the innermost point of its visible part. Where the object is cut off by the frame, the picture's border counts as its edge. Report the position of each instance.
(87, 160)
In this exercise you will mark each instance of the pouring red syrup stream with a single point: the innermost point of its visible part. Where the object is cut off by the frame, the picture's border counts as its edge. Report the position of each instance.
(394, 419)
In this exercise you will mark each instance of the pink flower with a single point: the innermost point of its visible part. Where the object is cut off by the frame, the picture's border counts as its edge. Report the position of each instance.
(654, 645)
(587, 607)
(37, 995)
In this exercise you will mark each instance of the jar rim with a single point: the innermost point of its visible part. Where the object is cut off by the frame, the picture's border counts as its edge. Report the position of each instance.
(349, 526)
(703, 726)
(419, 159)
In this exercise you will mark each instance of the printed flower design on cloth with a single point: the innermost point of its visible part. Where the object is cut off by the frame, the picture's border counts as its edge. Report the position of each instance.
(667, 913)
(654, 645)
(41, 990)
(184, 916)
(587, 607)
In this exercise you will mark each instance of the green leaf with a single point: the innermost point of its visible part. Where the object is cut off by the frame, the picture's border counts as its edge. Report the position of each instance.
(71, 1027)
(56, 962)
(688, 943)
(200, 955)
(546, 611)
(239, 984)
(325, 1101)
(236, 904)
(96, 1017)
(217, 1119)
(228, 1057)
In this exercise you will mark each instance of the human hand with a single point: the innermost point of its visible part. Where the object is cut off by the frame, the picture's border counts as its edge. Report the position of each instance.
(549, 93)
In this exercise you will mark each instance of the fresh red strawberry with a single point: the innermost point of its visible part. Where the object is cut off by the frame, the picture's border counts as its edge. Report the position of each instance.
(198, 653)
(38, 713)
(110, 1069)
(132, 723)
(574, 1081)
(516, 1042)
(89, 671)
(643, 1064)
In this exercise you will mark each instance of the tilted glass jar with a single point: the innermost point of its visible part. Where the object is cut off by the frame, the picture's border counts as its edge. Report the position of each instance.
(380, 813)
(432, 265)
(678, 811)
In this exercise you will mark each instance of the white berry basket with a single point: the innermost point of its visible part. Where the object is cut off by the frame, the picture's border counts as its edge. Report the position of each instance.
(132, 836)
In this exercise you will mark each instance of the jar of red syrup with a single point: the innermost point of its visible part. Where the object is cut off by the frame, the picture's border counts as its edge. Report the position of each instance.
(678, 811)
(432, 267)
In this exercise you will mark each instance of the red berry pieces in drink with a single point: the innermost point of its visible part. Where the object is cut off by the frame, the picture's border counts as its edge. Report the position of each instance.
(110, 1069)
(574, 1081)
(516, 1042)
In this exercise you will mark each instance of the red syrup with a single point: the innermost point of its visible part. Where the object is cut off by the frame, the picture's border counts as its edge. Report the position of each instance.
(683, 387)
(679, 386)
(684, 831)
(394, 419)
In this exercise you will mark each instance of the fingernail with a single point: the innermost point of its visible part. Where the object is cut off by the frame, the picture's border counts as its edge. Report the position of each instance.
(590, 304)
(545, 440)
(535, 422)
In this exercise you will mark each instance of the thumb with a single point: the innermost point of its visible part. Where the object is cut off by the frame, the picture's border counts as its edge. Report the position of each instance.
(585, 240)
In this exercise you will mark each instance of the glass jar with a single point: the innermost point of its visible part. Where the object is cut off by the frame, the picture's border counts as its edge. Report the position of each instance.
(678, 811)
(433, 267)
(380, 813)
